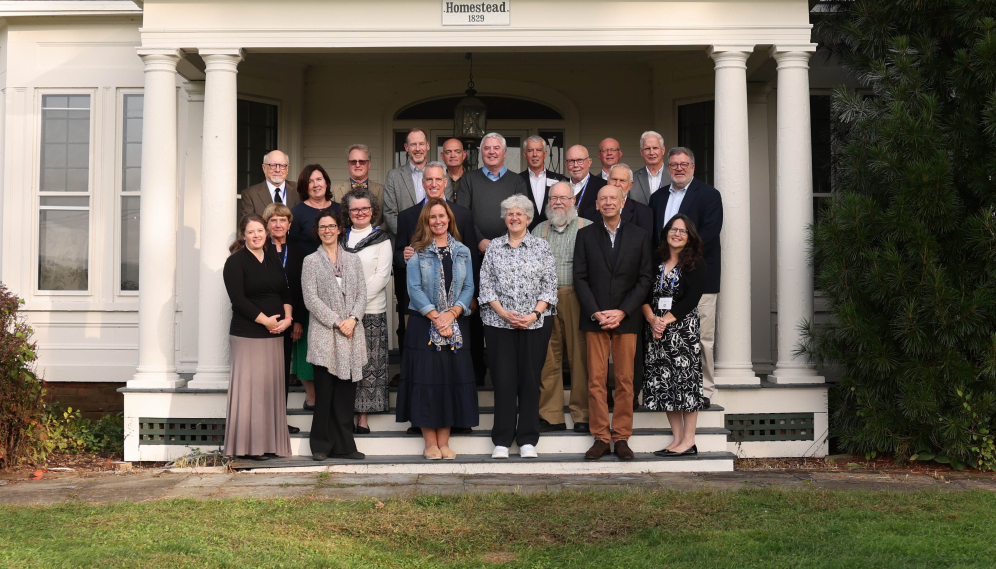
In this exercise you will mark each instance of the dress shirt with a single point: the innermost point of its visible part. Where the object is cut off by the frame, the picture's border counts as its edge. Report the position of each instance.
(674, 202)
(578, 188)
(274, 189)
(495, 177)
(655, 179)
(605, 175)
(538, 183)
(612, 233)
(417, 180)
(518, 277)
(562, 240)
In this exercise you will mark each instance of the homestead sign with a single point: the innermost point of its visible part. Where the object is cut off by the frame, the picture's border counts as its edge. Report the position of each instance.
(476, 13)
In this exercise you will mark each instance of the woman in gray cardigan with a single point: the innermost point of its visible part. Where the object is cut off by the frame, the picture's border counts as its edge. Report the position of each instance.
(335, 293)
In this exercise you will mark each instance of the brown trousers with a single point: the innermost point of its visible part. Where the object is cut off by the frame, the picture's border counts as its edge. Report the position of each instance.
(566, 335)
(623, 349)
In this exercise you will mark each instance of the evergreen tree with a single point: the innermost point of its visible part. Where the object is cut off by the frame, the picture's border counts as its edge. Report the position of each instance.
(906, 253)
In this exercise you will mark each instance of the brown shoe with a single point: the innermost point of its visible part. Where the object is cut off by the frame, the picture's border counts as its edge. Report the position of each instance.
(597, 450)
(623, 451)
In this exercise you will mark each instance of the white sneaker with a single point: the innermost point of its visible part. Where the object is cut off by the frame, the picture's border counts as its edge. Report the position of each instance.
(527, 451)
(500, 452)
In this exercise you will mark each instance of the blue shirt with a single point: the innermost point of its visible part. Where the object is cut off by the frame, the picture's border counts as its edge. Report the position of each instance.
(674, 202)
(492, 176)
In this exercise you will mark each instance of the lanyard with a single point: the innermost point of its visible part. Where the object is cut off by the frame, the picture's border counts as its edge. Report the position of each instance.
(674, 279)
(580, 198)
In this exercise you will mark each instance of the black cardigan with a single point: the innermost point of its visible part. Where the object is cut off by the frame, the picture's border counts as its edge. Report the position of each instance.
(255, 287)
(690, 288)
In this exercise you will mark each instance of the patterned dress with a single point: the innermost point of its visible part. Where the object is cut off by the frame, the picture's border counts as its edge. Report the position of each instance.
(673, 364)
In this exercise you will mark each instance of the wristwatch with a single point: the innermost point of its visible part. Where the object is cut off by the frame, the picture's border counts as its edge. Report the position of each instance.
(538, 314)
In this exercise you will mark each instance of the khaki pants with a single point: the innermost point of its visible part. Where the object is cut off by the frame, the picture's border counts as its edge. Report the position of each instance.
(623, 349)
(707, 332)
(566, 335)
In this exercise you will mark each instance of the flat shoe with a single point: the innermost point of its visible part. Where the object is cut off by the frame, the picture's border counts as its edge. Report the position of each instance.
(307, 407)
(664, 452)
(692, 451)
(447, 453)
(259, 457)
(361, 430)
(432, 453)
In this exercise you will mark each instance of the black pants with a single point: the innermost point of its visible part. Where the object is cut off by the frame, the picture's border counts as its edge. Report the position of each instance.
(477, 347)
(517, 358)
(401, 292)
(332, 427)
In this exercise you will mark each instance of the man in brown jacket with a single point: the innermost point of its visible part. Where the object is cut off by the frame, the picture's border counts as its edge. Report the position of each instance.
(274, 189)
(358, 164)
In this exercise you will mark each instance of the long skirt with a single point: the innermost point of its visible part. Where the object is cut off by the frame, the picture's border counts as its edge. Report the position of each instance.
(371, 391)
(437, 388)
(300, 367)
(256, 419)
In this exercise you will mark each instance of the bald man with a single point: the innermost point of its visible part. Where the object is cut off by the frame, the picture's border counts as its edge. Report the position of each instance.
(275, 188)
(609, 153)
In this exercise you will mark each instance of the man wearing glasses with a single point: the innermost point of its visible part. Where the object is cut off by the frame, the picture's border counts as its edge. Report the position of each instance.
(609, 154)
(653, 176)
(704, 206)
(358, 163)
(275, 189)
(583, 184)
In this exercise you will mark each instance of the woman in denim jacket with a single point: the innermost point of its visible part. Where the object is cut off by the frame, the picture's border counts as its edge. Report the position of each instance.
(438, 389)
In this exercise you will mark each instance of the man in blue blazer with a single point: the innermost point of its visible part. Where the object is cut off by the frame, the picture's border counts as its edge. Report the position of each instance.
(703, 204)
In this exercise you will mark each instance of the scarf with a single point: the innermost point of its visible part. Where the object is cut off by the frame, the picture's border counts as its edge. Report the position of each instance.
(444, 299)
(376, 236)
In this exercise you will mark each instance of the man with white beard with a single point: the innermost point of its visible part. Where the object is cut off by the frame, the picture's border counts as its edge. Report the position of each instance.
(560, 229)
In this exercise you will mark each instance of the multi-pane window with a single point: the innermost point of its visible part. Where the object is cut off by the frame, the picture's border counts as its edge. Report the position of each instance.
(696, 129)
(257, 135)
(131, 179)
(64, 192)
(820, 122)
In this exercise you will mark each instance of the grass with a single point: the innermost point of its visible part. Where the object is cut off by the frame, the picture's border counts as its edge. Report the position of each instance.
(747, 528)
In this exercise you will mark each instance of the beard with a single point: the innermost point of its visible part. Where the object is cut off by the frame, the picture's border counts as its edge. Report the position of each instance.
(561, 218)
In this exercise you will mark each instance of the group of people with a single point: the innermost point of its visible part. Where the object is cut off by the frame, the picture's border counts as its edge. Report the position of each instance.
(552, 273)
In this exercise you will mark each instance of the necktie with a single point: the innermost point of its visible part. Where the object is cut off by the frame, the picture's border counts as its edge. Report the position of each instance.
(358, 185)
(276, 196)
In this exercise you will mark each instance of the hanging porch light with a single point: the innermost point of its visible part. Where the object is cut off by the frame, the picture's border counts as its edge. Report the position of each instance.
(470, 116)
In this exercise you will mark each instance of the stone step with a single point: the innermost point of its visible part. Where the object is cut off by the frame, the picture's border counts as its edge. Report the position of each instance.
(479, 442)
(483, 464)
(642, 419)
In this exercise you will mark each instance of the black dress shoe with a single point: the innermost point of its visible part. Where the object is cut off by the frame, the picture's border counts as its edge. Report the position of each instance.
(546, 426)
(706, 403)
(319, 456)
(307, 407)
(460, 431)
(395, 380)
(414, 431)
(355, 455)
(293, 430)
(361, 430)
(581, 428)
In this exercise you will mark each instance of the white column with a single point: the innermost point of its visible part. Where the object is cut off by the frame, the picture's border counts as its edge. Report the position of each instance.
(794, 211)
(157, 237)
(218, 193)
(733, 326)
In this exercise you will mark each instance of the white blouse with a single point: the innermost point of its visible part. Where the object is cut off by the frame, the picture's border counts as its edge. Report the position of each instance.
(376, 261)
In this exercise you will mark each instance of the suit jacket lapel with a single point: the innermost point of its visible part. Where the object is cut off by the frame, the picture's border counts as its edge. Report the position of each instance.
(605, 244)
(406, 175)
(690, 195)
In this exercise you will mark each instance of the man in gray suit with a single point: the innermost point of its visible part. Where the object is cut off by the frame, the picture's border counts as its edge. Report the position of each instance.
(653, 176)
(275, 189)
(403, 187)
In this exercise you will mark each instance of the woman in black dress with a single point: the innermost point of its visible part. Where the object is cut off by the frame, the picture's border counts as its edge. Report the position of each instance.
(438, 389)
(256, 418)
(673, 362)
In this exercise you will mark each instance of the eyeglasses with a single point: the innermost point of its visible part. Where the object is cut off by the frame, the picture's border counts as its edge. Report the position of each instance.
(361, 210)
(276, 166)
(327, 228)
(554, 199)
(609, 150)
(678, 231)
(357, 162)
(578, 161)
(679, 165)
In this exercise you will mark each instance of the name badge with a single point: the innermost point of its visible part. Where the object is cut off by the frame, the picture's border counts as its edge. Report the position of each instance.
(664, 303)
(550, 182)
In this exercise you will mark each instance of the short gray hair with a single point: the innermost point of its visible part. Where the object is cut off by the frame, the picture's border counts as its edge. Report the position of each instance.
(536, 138)
(266, 156)
(500, 138)
(648, 134)
(435, 164)
(621, 166)
(681, 150)
(361, 147)
(518, 201)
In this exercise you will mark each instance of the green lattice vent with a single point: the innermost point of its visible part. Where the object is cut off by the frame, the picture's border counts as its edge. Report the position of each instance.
(175, 431)
(770, 427)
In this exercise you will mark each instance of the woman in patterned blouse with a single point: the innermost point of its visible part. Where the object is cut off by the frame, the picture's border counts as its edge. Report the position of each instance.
(518, 290)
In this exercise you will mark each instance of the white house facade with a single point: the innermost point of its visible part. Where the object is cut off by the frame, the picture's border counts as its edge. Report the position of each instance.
(129, 129)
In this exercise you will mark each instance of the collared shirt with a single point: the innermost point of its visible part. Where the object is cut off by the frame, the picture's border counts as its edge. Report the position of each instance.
(605, 175)
(492, 176)
(655, 180)
(562, 240)
(538, 183)
(518, 277)
(579, 188)
(274, 189)
(612, 232)
(674, 202)
(417, 181)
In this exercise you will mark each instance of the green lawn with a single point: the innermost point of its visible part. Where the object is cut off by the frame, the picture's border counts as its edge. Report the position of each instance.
(748, 528)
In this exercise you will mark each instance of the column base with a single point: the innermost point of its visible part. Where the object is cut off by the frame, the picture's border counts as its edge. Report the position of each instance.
(785, 375)
(209, 380)
(156, 380)
(735, 374)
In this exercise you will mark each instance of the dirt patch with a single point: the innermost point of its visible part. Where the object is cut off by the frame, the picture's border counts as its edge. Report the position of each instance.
(499, 557)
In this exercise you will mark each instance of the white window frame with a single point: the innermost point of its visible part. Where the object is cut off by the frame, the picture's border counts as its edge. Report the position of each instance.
(119, 193)
(37, 194)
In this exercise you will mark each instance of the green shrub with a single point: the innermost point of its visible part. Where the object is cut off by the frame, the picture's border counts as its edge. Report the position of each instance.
(70, 432)
(21, 395)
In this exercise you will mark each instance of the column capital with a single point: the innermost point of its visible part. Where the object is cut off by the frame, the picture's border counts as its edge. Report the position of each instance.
(730, 56)
(789, 47)
(791, 59)
(226, 59)
(160, 59)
